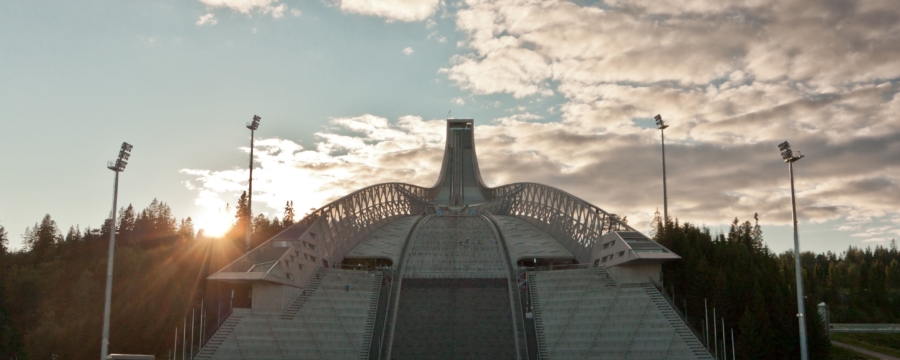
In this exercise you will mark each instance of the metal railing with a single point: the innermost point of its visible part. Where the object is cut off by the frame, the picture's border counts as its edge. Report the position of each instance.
(569, 219)
(557, 267)
(520, 333)
(658, 287)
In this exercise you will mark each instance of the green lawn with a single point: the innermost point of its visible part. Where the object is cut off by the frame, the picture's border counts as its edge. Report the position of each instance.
(884, 343)
(839, 353)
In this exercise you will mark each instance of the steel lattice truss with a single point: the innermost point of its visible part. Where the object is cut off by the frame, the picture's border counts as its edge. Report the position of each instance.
(573, 222)
(339, 226)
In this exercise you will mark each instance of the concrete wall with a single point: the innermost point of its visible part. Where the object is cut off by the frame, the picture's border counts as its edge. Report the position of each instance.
(627, 274)
(272, 298)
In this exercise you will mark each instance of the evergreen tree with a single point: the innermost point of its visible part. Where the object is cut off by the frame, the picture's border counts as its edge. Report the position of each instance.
(4, 242)
(288, 218)
(41, 239)
(125, 230)
(240, 214)
(74, 235)
(186, 229)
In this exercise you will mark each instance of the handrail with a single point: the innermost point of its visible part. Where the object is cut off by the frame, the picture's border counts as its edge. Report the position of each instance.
(512, 287)
(407, 248)
(556, 267)
(387, 310)
(677, 311)
(221, 321)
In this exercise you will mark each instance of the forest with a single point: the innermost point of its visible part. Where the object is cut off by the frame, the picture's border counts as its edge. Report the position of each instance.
(51, 291)
(754, 289)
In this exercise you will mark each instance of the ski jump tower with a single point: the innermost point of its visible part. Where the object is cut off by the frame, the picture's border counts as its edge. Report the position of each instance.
(458, 270)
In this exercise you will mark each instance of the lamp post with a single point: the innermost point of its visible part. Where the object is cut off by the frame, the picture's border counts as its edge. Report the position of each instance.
(788, 156)
(661, 125)
(252, 126)
(116, 166)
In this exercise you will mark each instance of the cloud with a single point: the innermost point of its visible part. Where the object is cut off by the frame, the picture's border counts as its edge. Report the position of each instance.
(734, 78)
(368, 151)
(408, 50)
(458, 101)
(296, 12)
(269, 7)
(209, 18)
(392, 10)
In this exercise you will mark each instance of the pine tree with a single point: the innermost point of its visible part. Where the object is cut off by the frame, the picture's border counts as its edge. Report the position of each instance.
(125, 232)
(4, 242)
(757, 236)
(288, 218)
(241, 211)
(42, 238)
(186, 229)
(74, 235)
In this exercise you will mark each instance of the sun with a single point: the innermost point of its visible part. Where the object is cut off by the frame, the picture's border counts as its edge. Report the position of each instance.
(214, 223)
(215, 216)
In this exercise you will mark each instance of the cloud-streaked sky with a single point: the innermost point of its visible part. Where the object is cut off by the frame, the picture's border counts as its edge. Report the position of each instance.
(352, 93)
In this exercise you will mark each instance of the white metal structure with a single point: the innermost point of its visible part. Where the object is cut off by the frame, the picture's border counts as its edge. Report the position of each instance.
(459, 253)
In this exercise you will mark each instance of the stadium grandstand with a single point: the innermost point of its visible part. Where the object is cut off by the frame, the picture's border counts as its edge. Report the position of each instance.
(459, 270)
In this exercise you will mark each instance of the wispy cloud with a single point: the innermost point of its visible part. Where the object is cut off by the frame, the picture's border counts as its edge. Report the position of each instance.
(209, 19)
(392, 10)
(408, 50)
(270, 7)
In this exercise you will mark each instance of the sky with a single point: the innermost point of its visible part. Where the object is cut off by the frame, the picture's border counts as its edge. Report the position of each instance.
(355, 92)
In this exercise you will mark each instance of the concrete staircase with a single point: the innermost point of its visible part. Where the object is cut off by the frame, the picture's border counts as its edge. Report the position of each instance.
(333, 319)
(675, 320)
(220, 336)
(583, 313)
(304, 295)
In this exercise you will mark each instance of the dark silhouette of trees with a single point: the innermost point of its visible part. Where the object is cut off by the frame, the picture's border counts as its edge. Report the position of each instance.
(755, 289)
(42, 237)
(51, 292)
(4, 241)
(288, 218)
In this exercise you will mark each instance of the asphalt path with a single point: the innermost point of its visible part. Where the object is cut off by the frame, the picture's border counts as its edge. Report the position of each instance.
(864, 351)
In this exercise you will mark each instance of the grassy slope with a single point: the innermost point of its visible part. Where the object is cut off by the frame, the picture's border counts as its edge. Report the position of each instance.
(884, 343)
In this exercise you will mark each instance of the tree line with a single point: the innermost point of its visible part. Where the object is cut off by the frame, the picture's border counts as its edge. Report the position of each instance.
(52, 290)
(754, 289)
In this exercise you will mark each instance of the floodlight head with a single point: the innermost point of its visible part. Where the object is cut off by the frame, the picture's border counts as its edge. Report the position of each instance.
(122, 161)
(117, 166)
(255, 124)
(787, 154)
(660, 124)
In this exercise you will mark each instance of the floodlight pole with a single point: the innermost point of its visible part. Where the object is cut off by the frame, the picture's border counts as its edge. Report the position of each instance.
(801, 311)
(117, 167)
(661, 125)
(252, 126)
(250, 193)
(109, 271)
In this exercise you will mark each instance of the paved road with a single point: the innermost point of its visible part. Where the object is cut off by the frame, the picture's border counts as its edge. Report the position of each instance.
(864, 351)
